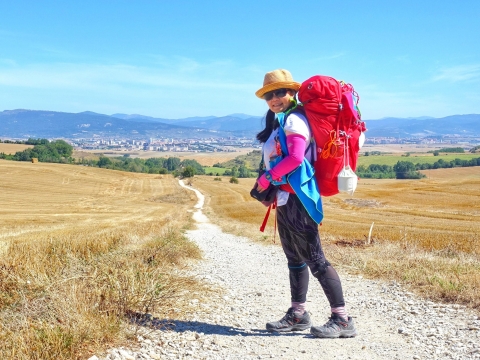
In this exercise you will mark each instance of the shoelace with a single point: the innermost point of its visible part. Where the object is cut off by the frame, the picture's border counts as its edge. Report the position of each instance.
(289, 318)
(332, 324)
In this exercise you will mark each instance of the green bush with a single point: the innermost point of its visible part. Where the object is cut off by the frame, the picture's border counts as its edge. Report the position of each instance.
(188, 172)
(406, 170)
(58, 151)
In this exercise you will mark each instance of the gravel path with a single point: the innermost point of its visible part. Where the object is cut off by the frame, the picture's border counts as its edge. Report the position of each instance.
(392, 323)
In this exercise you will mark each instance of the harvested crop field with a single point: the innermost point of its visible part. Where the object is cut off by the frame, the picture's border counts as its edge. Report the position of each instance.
(11, 149)
(436, 213)
(80, 249)
(203, 158)
(43, 197)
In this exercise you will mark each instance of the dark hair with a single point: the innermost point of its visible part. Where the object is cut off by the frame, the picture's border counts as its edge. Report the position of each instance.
(270, 125)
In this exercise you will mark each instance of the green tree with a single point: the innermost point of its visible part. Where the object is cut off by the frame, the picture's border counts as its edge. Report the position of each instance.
(403, 169)
(189, 171)
(194, 164)
(62, 148)
(173, 163)
(104, 162)
(243, 172)
(406, 170)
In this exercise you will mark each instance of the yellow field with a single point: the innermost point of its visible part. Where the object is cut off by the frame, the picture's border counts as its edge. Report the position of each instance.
(402, 148)
(437, 213)
(80, 248)
(426, 232)
(205, 159)
(11, 149)
(37, 198)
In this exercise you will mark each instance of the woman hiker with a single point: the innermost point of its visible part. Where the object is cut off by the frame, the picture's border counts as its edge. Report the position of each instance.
(285, 151)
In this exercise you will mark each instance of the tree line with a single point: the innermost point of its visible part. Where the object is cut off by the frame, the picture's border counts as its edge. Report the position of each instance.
(409, 170)
(170, 165)
(59, 151)
(459, 150)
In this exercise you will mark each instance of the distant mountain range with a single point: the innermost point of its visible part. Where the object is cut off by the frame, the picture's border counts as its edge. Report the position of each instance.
(461, 125)
(50, 124)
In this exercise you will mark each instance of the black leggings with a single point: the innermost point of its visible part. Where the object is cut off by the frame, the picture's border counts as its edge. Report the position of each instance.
(301, 244)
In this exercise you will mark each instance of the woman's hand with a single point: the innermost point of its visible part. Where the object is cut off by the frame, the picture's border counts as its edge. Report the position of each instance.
(262, 183)
(260, 188)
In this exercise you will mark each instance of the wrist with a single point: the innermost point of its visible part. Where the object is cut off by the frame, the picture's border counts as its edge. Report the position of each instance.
(263, 182)
(268, 176)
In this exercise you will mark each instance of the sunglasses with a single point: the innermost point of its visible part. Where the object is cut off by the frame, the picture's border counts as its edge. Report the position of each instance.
(278, 93)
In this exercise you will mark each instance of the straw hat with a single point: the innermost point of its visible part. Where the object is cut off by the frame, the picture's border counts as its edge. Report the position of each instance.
(277, 79)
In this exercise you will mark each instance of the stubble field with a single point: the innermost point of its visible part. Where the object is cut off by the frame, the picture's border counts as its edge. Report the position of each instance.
(11, 149)
(82, 248)
(203, 158)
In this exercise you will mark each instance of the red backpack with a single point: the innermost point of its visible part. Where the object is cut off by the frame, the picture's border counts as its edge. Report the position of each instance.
(335, 121)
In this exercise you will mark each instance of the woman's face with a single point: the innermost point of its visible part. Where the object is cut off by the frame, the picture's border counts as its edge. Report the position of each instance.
(280, 100)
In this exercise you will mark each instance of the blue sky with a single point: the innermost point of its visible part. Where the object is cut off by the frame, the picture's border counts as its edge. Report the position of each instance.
(176, 59)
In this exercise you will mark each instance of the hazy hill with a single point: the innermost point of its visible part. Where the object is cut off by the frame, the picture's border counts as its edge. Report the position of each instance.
(465, 125)
(229, 123)
(34, 123)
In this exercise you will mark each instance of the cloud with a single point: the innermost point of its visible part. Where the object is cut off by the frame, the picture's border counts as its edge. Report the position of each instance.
(51, 51)
(172, 87)
(376, 103)
(458, 73)
(182, 73)
(329, 57)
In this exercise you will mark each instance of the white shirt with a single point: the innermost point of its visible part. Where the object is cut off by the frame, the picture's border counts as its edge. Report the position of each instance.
(295, 123)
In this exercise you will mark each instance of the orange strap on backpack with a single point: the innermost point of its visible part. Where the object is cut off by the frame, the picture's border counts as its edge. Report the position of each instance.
(330, 148)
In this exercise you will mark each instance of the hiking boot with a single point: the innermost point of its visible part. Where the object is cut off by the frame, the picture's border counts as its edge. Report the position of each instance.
(291, 322)
(334, 328)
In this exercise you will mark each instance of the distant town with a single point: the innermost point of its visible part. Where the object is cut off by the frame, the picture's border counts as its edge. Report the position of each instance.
(230, 144)
(207, 145)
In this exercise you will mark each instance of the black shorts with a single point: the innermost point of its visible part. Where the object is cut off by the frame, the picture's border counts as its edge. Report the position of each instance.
(299, 235)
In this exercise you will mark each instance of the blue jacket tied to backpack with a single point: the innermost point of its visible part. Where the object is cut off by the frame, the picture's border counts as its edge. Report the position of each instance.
(302, 179)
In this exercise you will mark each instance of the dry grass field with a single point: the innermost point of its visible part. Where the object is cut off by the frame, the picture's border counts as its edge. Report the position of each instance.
(401, 148)
(82, 247)
(11, 149)
(205, 159)
(425, 233)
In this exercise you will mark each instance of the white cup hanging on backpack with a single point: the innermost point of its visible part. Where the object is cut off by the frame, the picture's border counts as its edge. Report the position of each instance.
(347, 180)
